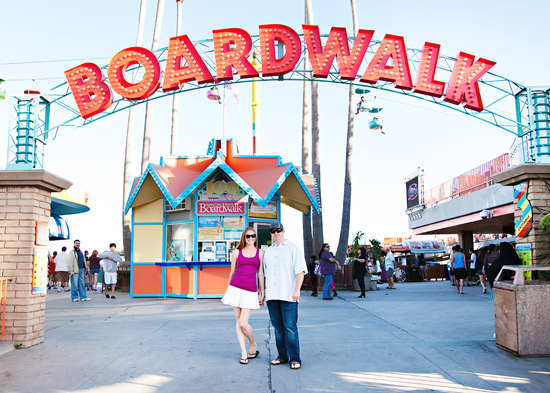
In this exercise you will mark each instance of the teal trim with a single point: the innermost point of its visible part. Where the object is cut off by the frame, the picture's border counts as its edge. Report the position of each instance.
(163, 282)
(149, 223)
(195, 282)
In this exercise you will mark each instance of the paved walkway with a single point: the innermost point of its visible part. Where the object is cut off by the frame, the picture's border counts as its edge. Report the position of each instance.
(420, 337)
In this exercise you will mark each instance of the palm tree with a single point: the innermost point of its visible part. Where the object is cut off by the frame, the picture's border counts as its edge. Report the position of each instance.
(346, 206)
(128, 176)
(175, 97)
(146, 150)
(306, 167)
(315, 151)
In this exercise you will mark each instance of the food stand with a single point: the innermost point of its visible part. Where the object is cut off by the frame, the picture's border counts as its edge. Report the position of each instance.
(407, 267)
(188, 215)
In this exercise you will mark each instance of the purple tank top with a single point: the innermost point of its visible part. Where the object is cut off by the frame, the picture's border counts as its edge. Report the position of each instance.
(245, 272)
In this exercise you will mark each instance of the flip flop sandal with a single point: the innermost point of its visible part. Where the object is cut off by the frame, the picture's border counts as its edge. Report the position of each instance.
(276, 362)
(295, 365)
(253, 355)
(243, 361)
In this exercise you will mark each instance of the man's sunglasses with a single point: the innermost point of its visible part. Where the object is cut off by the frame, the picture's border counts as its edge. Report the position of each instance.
(278, 230)
(252, 236)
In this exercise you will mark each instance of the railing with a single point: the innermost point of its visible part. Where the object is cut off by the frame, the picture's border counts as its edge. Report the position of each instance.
(473, 180)
(3, 291)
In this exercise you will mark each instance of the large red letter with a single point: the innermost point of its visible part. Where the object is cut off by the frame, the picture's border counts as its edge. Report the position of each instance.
(91, 94)
(289, 39)
(181, 48)
(129, 57)
(425, 82)
(227, 57)
(337, 45)
(391, 46)
(463, 85)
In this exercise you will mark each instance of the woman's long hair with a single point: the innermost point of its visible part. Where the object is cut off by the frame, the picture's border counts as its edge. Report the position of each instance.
(94, 255)
(322, 248)
(242, 243)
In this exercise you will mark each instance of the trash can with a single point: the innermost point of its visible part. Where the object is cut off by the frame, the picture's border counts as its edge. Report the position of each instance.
(522, 313)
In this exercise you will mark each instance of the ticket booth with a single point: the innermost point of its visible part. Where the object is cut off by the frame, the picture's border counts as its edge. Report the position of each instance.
(188, 215)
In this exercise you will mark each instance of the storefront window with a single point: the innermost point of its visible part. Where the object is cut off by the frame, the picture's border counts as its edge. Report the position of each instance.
(180, 244)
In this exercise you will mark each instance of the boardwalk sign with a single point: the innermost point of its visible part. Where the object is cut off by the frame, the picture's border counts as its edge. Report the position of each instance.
(232, 49)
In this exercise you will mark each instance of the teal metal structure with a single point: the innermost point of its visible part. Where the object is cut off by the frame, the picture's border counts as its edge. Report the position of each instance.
(519, 110)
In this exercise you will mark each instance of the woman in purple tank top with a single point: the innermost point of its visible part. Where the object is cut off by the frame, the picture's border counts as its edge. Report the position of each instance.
(247, 269)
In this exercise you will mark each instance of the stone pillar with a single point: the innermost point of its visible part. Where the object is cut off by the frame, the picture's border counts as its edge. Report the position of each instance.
(25, 199)
(539, 197)
(466, 240)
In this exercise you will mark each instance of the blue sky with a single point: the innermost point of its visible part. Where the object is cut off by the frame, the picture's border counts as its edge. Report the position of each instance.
(442, 142)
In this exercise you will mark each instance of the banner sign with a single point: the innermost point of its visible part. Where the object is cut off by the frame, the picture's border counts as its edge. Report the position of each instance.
(220, 208)
(232, 48)
(420, 247)
(523, 226)
(525, 254)
(269, 212)
(413, 198)
(40, 271)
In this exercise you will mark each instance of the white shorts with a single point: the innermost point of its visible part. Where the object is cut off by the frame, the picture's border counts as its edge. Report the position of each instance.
(109, 278)
(237, 297)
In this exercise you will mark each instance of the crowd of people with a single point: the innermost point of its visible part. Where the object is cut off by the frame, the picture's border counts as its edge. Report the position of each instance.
(78, 272)
(485, 264)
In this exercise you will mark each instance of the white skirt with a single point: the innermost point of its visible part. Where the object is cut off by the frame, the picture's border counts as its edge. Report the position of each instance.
(237, 297)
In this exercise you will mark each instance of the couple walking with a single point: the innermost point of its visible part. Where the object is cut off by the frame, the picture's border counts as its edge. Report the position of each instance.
(280, 272)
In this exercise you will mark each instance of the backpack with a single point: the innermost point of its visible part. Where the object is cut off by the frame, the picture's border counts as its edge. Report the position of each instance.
(317, 270)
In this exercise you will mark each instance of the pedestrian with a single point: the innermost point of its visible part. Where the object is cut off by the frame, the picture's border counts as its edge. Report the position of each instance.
(62, 270)
(359, 269)
(479, 267)
(423, 267)
(284, 268)
(95, 268)
(311, 274)
(491, 257)
(51, 270)
(111, 258)
(507, 256)
(332, 286)
(472, 269)
(328, 268)
(458, 263)
(389, 265)
(77, 270)
(242, 291)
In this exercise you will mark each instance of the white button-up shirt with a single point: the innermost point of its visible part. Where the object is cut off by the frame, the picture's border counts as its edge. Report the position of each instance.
(281, 265)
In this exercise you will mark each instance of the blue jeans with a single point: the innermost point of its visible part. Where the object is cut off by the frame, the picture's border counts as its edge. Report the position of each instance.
(326, 286)
(284, 318)
(77, 285)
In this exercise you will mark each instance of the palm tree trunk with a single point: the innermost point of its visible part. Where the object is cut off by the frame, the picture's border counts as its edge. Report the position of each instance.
(306, 167)
(128, 153)
(346, 206)
(317, 218)
(146, 151)
(175, 97)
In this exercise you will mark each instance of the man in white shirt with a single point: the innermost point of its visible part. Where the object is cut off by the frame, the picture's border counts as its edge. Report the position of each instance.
(389, 265)
(284, 268)
(62, 270)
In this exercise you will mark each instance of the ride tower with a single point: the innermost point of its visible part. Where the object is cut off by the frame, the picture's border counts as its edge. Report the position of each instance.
(29, 123)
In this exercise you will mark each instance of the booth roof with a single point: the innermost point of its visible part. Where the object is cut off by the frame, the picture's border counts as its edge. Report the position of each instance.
(259, 176)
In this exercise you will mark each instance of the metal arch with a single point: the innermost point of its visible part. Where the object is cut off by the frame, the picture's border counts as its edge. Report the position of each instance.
(505, 107)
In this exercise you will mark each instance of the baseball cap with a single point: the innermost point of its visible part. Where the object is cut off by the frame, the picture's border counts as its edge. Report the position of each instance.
(276, 225)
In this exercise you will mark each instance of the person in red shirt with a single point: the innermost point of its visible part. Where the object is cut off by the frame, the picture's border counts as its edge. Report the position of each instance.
(51, 269)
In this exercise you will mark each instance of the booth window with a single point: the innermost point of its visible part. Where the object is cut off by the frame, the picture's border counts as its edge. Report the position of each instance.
(180, 244)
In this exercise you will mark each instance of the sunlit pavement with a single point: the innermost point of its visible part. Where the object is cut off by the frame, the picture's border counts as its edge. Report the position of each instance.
(419, 337)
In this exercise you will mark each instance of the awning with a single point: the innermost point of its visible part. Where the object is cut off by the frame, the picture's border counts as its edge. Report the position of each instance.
(59, 229)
